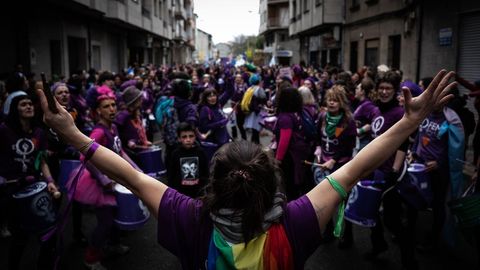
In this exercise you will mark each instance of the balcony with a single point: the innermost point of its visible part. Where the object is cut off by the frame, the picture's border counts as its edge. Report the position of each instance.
(179, 36)
(275, 22)
(180, 13)
(146, 12)
(276, 2)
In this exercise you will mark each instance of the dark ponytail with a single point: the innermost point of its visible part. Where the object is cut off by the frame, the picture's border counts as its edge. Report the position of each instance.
(245, 178)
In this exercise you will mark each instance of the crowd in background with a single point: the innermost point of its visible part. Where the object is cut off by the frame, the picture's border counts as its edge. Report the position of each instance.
(316, 119)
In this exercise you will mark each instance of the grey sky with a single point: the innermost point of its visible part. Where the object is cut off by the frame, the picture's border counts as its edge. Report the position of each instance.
(226, 19)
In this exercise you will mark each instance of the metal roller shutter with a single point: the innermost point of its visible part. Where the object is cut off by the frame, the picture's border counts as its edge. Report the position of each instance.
(469, 51)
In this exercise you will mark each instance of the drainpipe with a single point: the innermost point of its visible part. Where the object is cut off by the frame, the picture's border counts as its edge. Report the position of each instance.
(419, 41)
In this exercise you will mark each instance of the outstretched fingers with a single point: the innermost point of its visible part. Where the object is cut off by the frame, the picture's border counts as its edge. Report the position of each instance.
(443, 85)
(435, 83)
(445, 95)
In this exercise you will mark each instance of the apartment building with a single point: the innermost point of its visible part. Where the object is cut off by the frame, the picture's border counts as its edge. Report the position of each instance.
(274, 22)
(317, 24)
(64, 36)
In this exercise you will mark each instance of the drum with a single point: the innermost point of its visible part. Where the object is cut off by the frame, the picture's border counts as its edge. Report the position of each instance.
(210, 149)
(67, 166)
(270, 122)
(34, 209)
(415, 188)
(466, 209)
(227, 110)
(319, 175)
(363, 204)
(151, 162)
(131, 212)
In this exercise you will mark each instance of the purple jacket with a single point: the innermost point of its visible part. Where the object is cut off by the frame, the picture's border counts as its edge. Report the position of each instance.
(212, 118)
(186, 110)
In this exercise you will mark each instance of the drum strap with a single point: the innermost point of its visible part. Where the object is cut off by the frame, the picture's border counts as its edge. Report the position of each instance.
(338, 231)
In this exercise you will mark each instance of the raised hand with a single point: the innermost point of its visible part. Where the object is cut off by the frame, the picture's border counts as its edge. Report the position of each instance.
(62, 122)
(433, 98)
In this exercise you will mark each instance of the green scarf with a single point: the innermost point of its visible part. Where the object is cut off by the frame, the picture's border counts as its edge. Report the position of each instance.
(332, 122)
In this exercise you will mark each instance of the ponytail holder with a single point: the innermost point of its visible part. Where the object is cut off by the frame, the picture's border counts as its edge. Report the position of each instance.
(338, 231)
(242, 174)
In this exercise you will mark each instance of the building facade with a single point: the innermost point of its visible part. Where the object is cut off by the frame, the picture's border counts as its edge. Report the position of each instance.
(204, 47)
(274, 21)
(65, 36)
(381, 32)
(317, 24)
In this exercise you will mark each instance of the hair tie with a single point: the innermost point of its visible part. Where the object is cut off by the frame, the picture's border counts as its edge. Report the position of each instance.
(242, 174)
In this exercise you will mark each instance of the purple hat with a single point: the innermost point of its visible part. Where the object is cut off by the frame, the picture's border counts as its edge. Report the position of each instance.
(415, 90)
(127, 84)
(56, 85)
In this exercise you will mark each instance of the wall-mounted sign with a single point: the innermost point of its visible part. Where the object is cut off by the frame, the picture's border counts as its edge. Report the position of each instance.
(445, 37)
(284, 53)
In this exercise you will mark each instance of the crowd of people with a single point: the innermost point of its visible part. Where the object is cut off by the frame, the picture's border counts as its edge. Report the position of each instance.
(225, 189)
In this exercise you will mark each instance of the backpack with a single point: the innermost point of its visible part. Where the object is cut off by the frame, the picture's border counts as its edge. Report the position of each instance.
(247, 99)
(167, 117)
(309, 126)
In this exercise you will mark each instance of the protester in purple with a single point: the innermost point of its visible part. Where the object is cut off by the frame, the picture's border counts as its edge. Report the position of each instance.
(23, 148)
(435, 147)
(365, 112)
(96, 189)
(211, 119)
(391, 171)
(58, 151)
(243, 201)
(130, 121)
(79, 103)
(293, 147)
(337, 130)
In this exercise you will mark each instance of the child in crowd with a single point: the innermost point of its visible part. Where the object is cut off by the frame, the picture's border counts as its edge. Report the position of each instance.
(188, 169)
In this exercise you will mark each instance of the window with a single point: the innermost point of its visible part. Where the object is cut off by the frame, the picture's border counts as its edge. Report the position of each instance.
(394, 48)
(371, 52)
(355, 5)
(56, 57)
(306, 4)
(135, 1)
(353, 56)
(96, 57)
(155, 8)
(318, 2)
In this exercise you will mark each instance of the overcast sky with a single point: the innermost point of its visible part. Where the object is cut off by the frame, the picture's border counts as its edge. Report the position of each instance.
(226, 19)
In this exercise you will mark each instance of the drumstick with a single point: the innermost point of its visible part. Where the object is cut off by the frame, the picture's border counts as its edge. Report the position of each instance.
(465, 162)
(57, 194)
(52, 106)
(313, 164)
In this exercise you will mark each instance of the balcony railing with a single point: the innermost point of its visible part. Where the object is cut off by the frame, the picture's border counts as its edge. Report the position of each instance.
(276, 22)
(274, 2)
(145, 12)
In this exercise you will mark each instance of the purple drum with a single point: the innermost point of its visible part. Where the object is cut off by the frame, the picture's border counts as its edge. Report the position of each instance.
(35, 211)
(67, 166)
(270, 122)
(210, 149)
(131, 212)
(363, 204)
(151, 162)
(415, 188)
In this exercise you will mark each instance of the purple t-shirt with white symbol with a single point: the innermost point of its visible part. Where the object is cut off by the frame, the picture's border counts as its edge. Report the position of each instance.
(19, 151)
(381, 124)
(429, 145)
(365, 113)
(185, 230)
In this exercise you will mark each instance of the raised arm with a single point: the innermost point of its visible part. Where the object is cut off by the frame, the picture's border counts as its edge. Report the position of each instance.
(325, 199)
(149, 190)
